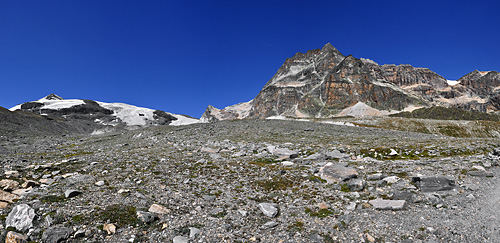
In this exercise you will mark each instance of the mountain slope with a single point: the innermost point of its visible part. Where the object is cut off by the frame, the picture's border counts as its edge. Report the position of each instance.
(114, 114)
(18, 123)
(323, 83)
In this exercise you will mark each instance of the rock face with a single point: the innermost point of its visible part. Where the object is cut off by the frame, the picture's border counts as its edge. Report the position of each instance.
(324, 82)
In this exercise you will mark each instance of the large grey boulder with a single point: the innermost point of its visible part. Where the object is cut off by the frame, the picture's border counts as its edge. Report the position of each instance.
(55, 235)
(434, 183)
(180, 239)
(337, 172)
(282, 152)
(335, 154)
(21, 217)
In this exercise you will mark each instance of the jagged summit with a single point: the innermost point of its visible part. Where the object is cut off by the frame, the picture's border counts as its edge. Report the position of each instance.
(52, 97)
(323, 83)
(329, 48)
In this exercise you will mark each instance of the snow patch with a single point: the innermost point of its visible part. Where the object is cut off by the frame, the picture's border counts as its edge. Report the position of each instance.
(360, 109)
(452, 82)
(53, 104)
(183, 120)
(292, 71)
(339, 123)
(129, 114)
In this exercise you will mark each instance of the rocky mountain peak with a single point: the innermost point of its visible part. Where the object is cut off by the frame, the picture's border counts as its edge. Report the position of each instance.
(52, 97)
(323, 82)
(329, 48)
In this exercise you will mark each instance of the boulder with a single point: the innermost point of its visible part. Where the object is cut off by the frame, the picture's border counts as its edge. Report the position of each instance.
(337, 172)
(335, 154)
(193, 232)
(110, 228)
(71, 193)
(356, 185)
(387, 204)
(57, 234)
(269, 209)
(282, 152)
(159, 209)
(146, 217)
(8, 197)
(21, 217)
(180, 239)
(9, 185)
(13, 237)
(434, 183)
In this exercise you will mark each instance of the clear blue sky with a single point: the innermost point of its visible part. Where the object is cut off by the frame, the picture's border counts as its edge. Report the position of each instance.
(180, 56)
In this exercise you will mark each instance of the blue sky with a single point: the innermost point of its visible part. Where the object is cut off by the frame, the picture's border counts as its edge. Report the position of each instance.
(181, 56)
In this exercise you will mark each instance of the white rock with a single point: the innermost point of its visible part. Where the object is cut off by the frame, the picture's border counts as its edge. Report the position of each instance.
(180, 239)
(391, 179)
(21, 217)
(393, 153)
(269, 209)
(193, 232)
(478, 167)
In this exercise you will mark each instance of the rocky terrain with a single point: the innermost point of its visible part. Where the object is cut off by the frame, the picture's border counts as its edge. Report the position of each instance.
(323, 83)
(252, 181)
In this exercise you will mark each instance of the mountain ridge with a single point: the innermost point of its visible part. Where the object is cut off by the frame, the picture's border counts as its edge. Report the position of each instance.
(107, 114)
(321, 83)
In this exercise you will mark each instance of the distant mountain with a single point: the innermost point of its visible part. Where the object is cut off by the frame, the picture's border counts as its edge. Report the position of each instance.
(324, 83)
(101, 113)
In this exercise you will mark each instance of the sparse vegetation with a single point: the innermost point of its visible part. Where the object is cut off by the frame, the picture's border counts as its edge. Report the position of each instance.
(443, 113)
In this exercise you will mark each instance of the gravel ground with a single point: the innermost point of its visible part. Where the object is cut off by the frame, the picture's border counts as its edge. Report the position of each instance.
(207, 183)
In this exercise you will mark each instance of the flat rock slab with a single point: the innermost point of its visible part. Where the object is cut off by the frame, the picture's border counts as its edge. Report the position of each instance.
(434, 183)
(8, 197)
(335, 154)
(382, 204)
(480, 173)
(337, 172)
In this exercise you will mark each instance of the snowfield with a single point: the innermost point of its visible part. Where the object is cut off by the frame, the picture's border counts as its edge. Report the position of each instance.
(129, 114)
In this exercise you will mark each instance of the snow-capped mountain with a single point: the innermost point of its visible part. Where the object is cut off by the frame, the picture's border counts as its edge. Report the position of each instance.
(103, 113)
